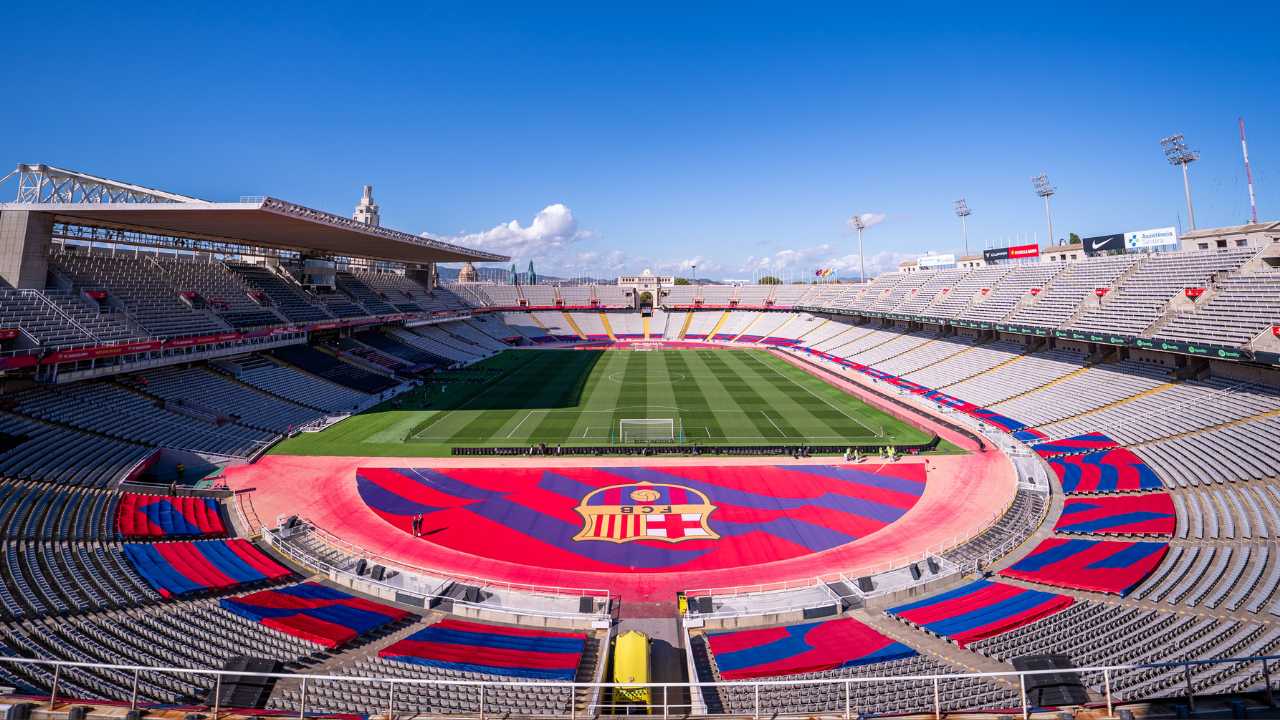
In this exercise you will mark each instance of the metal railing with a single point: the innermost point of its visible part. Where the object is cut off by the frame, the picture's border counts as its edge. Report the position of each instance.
(665, 698)
(279, 539)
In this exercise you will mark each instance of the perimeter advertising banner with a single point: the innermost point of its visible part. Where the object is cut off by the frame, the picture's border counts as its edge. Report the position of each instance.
(937, 261)
(1153, 238)
(1013, 252)
(1099, 244)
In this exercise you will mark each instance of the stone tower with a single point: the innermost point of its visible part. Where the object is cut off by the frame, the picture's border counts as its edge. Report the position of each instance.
(367, 211)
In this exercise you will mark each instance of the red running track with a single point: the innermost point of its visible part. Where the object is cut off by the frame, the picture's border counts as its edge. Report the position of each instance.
(962, 496)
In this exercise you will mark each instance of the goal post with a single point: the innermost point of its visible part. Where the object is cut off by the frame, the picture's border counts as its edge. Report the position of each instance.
(648, 430)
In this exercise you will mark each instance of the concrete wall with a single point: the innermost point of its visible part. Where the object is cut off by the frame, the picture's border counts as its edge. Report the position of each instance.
(24, 247)
(424, 275)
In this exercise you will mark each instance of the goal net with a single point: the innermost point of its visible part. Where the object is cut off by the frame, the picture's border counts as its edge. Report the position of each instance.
(647, 430)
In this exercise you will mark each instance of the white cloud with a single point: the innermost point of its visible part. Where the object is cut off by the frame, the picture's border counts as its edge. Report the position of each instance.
(557, 245)
(550, 232)
(802, 262)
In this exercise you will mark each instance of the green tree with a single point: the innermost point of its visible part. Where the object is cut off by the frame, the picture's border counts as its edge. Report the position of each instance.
(770, 280)
(1074, 239)
(682, 281)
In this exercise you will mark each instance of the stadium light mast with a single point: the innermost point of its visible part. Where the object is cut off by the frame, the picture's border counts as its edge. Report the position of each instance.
(962, 212)
(1177, 153)
(1045, 190)
(860, 225)
(1248, 176)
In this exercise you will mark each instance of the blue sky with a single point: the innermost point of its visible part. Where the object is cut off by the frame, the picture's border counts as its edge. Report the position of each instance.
(724, 132)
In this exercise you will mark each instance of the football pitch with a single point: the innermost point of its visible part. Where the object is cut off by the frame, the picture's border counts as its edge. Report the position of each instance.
(583, 397)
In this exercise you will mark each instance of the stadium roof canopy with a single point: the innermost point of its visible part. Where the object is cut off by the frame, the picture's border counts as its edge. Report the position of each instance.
(79, 199)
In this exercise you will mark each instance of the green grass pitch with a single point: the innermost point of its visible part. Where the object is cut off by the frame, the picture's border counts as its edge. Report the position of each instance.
(523, 397)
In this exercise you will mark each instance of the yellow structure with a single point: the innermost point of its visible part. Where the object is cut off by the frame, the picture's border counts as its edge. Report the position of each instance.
(631, 668)
(573, 325)
(608, 329)
(688, 318)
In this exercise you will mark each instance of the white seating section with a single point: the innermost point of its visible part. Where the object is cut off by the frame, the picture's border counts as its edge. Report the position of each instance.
(1014, 288)
(1141, 298)
(203, 388)
(1244, 306)
(56, 318)
(1077, 282)
(1085, 390)
(1182, 408)
(140, 283)
(113, 410)
(284, 381)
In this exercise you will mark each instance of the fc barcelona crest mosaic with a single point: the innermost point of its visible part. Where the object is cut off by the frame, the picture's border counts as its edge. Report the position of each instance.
(639, 519)
(644, 511)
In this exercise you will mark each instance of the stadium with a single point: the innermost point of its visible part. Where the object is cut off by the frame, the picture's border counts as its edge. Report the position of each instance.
(260, 459)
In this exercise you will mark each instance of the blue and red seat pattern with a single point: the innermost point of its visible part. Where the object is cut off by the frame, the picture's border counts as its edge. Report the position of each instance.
(1091, 442)
(154, 516)
(324, 615)
(797, 649)
(1114, 470)
(182, 568)
(508, 651)
(753, 514)
(1106, 566)
(981, 609)
(1149, 514)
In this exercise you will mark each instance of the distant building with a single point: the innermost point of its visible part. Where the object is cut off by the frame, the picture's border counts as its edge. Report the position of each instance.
(1255, 235)
(1062, 253)
(468, 274)
(367, 211)
(646, 281)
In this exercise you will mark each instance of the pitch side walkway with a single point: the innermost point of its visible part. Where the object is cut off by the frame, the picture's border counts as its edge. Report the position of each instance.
(962, 495)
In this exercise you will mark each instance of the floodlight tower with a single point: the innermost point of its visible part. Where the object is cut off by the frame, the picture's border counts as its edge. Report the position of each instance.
(1248, 176)
(859, 225)
(1045, 190)
(962, 212)
(1177, 153)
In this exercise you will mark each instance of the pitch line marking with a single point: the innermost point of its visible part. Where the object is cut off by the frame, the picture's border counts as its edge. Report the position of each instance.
(774, 424)
(493, 383)
(877, 433)
(517, 427)
(488, 440)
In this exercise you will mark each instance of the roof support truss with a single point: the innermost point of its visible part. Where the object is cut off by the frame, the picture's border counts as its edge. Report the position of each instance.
(40, 184)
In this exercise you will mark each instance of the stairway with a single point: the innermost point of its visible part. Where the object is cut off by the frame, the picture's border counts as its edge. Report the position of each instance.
(608, 329)
(573, 324)
(684, 327)
(711, 334)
